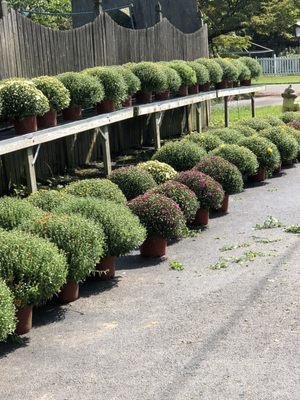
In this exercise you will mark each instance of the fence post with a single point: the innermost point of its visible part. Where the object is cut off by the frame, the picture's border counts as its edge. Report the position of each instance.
(275, 65)
(159, 14)
(3, 9)
(30, 171)
(253, 110)
(226, 111)
(106, 149)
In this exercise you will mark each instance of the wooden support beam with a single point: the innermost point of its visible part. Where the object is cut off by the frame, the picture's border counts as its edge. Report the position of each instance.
(226, 111)
(188, 109)
(207, 116)
(199, 116)
(106, 149)
(70, 142)
(253, 109)
(158, 117)
(30, 170)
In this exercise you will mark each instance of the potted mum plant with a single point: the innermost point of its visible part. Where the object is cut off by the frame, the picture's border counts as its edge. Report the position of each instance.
(227, 135)
(182, 195)
(34, 269)
(161, 172)
(230, 73)
(214, 70)
(133, 181)
(258, 124)
(58, 97)
(181, 155)
(267, 155)
(202, 76)
(243, 72)
(254, 67)
(209, 193)
(132, 82)
(7, 312)
(207, 140)
(153, 79)
(223, 172)
(187, 75)
(174, 82)
(115, 88)
(85, 91)
(22, 102)
(163, 220)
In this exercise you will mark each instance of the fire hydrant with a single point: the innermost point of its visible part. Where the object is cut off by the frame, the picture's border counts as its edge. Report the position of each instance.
(289, 98)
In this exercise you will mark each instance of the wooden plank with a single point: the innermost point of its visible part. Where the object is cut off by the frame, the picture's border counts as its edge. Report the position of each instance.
(198, 108)
(30, 171)
(226, 112)
(106, 149)
(157, 124)
(240, 90)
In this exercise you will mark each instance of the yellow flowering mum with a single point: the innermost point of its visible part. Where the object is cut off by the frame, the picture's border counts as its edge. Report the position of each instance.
(269, 150)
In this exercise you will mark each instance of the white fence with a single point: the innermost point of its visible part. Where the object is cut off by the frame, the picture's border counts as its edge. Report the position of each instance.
(280, 65)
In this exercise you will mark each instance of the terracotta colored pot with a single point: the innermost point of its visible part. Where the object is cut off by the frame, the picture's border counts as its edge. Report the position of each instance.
(205, 87)
(225, 204)
(193, 89)
(72, 113)
(69, 292)
(144, 97)
(229, 84)
(236, 84)
(106, 106)
(246, 82)
(107, 268)
(128, 102)
(24, 320)
(162, 95)
(48, 120)
(288, 163)
(221, 85)
(183, 91)
(25, 125)
(154, 247)
(278, 169)
(202, 217)
(260, 176)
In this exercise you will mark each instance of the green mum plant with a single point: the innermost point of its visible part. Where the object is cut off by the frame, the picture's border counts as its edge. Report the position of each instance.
(186, 73)
(245, 130)
(227, 135)
(84, 90)
(111, 79)
(287, 145)
(214, 69)
(182, 195)
(14, 211)
(122, 229)
(253, 65)
(160, 215)
(293, 129)
(56, 93)
(209, 192)
(241, 157)
(290, 116)
(21, 99)
(133, 181)
(266, 152)
(33, 268)
(7, 312)
(47, 200)
(201, 71)
(102, 189)
(230, 72)
(208, 141)
(132, 81)
(174, 81)
(161, 172)
(273, 121)
(244, 73)
(223, 172)
(180, 155)
(152, 77)
(257, 124)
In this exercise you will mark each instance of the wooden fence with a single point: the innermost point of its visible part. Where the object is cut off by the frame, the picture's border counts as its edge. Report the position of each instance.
(280, 65)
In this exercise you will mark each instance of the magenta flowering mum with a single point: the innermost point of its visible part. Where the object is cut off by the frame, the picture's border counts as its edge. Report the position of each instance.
(162, 218)
(210, 193)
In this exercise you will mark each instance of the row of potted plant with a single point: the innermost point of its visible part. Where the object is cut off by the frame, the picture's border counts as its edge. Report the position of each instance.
(34, 104)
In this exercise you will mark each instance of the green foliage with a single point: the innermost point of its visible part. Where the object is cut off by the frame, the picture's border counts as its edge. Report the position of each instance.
(293, 129)
(152, 77)
(112, 80)
(230, 72)
(161, 172)
(209, 192)
(244, 72)
(241, 157)
(208, 141)
(122, 229)
(132, 81)
(287, 145)
(176, 266)
(133, 181)
(269, 223)
(273, 121)
(33, 268)
(223, 172)
(258, 124)
(174, 81)
(253, 66)
(182, 195)
(227, 135)
(201, 71)
(290, 116)
(47, 200)
(22, 99)
(102, 189)
(56, 93)
(266, 152)
(186, 73)
(84, 90)
(293, 229)
(160, 215)
(180, 155)
(230, 43)
(214, 69)
(7, 312)
(245, 130)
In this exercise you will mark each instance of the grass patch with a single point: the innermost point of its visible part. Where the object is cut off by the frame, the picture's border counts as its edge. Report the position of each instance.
(285, 79)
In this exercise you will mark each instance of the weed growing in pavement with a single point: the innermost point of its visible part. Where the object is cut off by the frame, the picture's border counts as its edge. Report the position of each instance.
(264, 240)
(269, 223)
(273, 189)
(293, 229)
(176, 266)
(239, 246)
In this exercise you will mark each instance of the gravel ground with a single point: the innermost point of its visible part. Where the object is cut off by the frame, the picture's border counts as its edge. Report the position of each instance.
(159, 334)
